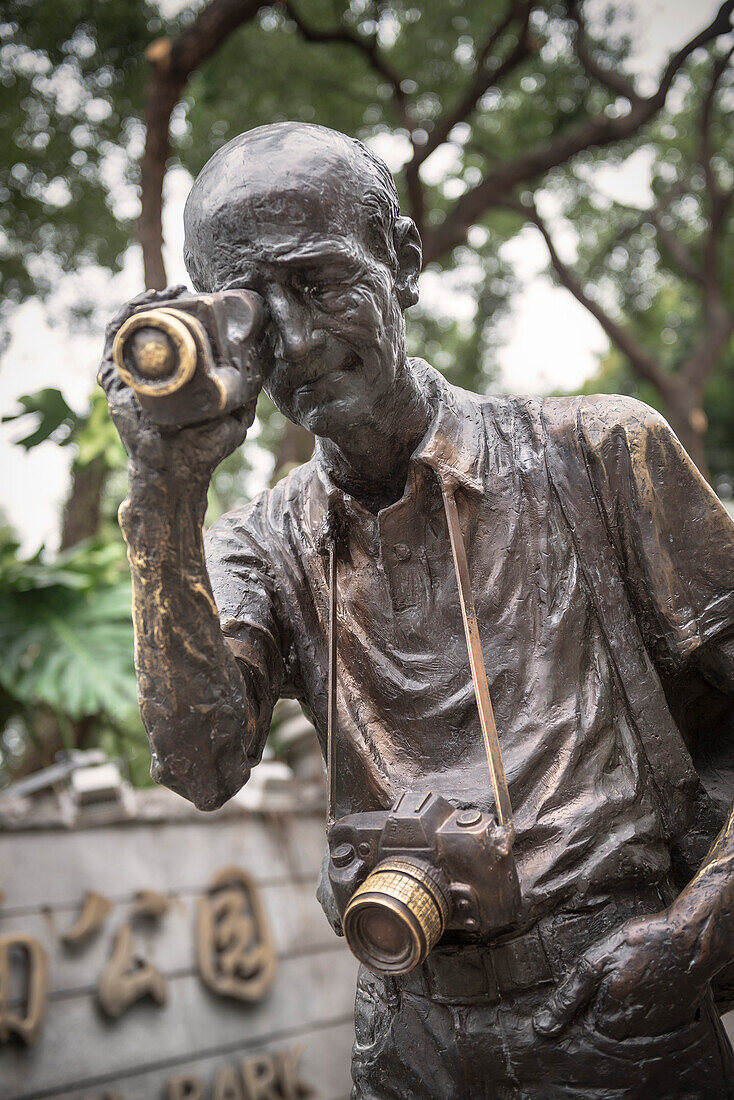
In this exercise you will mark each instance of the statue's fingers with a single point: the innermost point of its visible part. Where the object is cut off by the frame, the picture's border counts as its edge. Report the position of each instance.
(570, 997)
(141, 298)
(225, 432)
(124, 408)
(107, 374)
(216, 444)
(239, 421)
(146, 297)
(130, 307)
(116, 391)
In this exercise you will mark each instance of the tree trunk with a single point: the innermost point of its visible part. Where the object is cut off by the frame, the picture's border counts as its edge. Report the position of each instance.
(41, 748)
(172, 61)
(83, 508)
(162, 94)
(688, 421)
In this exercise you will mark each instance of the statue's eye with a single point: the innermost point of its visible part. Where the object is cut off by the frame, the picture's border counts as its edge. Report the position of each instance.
(327, 296)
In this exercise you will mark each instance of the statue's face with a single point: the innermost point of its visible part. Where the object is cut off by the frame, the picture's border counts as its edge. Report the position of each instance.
(338, 327)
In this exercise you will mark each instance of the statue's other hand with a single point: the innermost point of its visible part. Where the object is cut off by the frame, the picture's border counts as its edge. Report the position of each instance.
(638, 980)
(188, 455)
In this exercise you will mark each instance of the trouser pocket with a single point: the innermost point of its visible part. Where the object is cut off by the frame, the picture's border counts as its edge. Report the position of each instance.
(694, 1062)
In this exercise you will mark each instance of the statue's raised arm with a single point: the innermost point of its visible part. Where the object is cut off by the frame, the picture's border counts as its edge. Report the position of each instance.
(196, 704)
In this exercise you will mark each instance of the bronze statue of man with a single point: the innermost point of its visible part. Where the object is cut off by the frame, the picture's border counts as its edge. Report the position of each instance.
(602, 569)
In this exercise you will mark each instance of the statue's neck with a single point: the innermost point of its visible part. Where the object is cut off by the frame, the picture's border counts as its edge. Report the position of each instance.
(370, 461)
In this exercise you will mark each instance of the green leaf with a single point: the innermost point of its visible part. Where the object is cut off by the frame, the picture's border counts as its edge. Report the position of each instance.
(97, 436)
(72, 650)
(84, 567)
(52, 411)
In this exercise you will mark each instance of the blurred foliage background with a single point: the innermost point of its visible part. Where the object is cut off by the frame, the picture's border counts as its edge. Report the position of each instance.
(502, 113)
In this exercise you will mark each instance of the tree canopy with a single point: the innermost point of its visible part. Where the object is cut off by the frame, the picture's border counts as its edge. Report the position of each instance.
(659, 274)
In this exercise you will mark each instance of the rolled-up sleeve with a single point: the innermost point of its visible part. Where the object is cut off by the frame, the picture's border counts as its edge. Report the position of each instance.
(246, 594)
(672, 533)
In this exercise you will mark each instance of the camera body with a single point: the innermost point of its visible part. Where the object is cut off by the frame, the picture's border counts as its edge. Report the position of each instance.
(404, 877)
(196, 357)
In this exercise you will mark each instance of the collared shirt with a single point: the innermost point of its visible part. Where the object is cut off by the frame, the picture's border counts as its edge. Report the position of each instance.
(585, 817)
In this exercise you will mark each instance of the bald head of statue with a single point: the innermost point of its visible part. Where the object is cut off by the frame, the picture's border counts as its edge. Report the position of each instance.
(309, 218)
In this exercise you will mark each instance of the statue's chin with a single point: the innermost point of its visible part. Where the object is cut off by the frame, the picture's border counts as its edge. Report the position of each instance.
(330, 418)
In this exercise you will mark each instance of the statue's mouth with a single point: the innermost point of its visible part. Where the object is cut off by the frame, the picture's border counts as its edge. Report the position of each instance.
(329, 373)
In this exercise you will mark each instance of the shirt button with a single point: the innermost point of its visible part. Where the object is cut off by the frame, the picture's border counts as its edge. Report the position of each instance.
(402, 551)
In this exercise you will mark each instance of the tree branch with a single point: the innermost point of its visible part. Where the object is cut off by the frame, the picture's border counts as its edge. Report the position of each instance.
(369, 49)
(718, 199)
(717, 71)
(595, 132)
(673, 245)
(615, 81)
(642, 362)
(172, 61)
(720, 24)
(682, 392)
(366, 46)
(678, 252)
(700, 364)
(484, 78)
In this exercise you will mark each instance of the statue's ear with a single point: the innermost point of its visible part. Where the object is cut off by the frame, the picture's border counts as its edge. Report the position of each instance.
(409, 250)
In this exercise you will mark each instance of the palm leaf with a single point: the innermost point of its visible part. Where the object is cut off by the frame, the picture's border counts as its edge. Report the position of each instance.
(69, 649)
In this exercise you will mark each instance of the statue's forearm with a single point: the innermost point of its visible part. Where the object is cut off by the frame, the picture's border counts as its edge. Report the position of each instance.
(704, 911)
(194, 700)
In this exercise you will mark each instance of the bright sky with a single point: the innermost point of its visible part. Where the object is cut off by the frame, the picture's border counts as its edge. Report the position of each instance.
(552, 342)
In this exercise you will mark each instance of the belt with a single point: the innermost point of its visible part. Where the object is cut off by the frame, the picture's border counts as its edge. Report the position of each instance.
(473, 973)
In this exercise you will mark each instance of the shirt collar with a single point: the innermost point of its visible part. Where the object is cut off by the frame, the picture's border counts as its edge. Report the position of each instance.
(453, 447)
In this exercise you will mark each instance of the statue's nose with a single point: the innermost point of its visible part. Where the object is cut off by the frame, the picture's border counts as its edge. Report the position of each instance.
(293, 328)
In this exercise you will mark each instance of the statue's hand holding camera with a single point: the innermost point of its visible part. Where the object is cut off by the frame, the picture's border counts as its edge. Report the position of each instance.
(182, 374)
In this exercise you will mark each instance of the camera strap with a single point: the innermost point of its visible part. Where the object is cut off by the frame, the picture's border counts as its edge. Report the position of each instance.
(331, 712)
(476, 664)
(476, 660)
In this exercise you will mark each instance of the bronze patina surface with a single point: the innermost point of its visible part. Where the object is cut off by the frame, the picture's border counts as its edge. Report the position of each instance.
(602, 574)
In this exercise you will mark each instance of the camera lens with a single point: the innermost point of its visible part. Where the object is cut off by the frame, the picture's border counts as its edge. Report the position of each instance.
(396, 916)
(153, 352)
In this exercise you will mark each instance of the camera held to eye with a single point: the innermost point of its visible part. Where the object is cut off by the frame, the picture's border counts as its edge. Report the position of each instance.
(404, 877)
(196, 357)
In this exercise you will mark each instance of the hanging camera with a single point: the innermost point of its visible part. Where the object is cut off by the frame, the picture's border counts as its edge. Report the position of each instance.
(402, 878)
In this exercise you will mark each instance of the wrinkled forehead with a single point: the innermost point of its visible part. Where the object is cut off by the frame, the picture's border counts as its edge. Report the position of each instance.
(255, 207)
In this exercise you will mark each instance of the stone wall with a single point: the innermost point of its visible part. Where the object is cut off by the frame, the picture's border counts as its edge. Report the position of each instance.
(200, 964)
